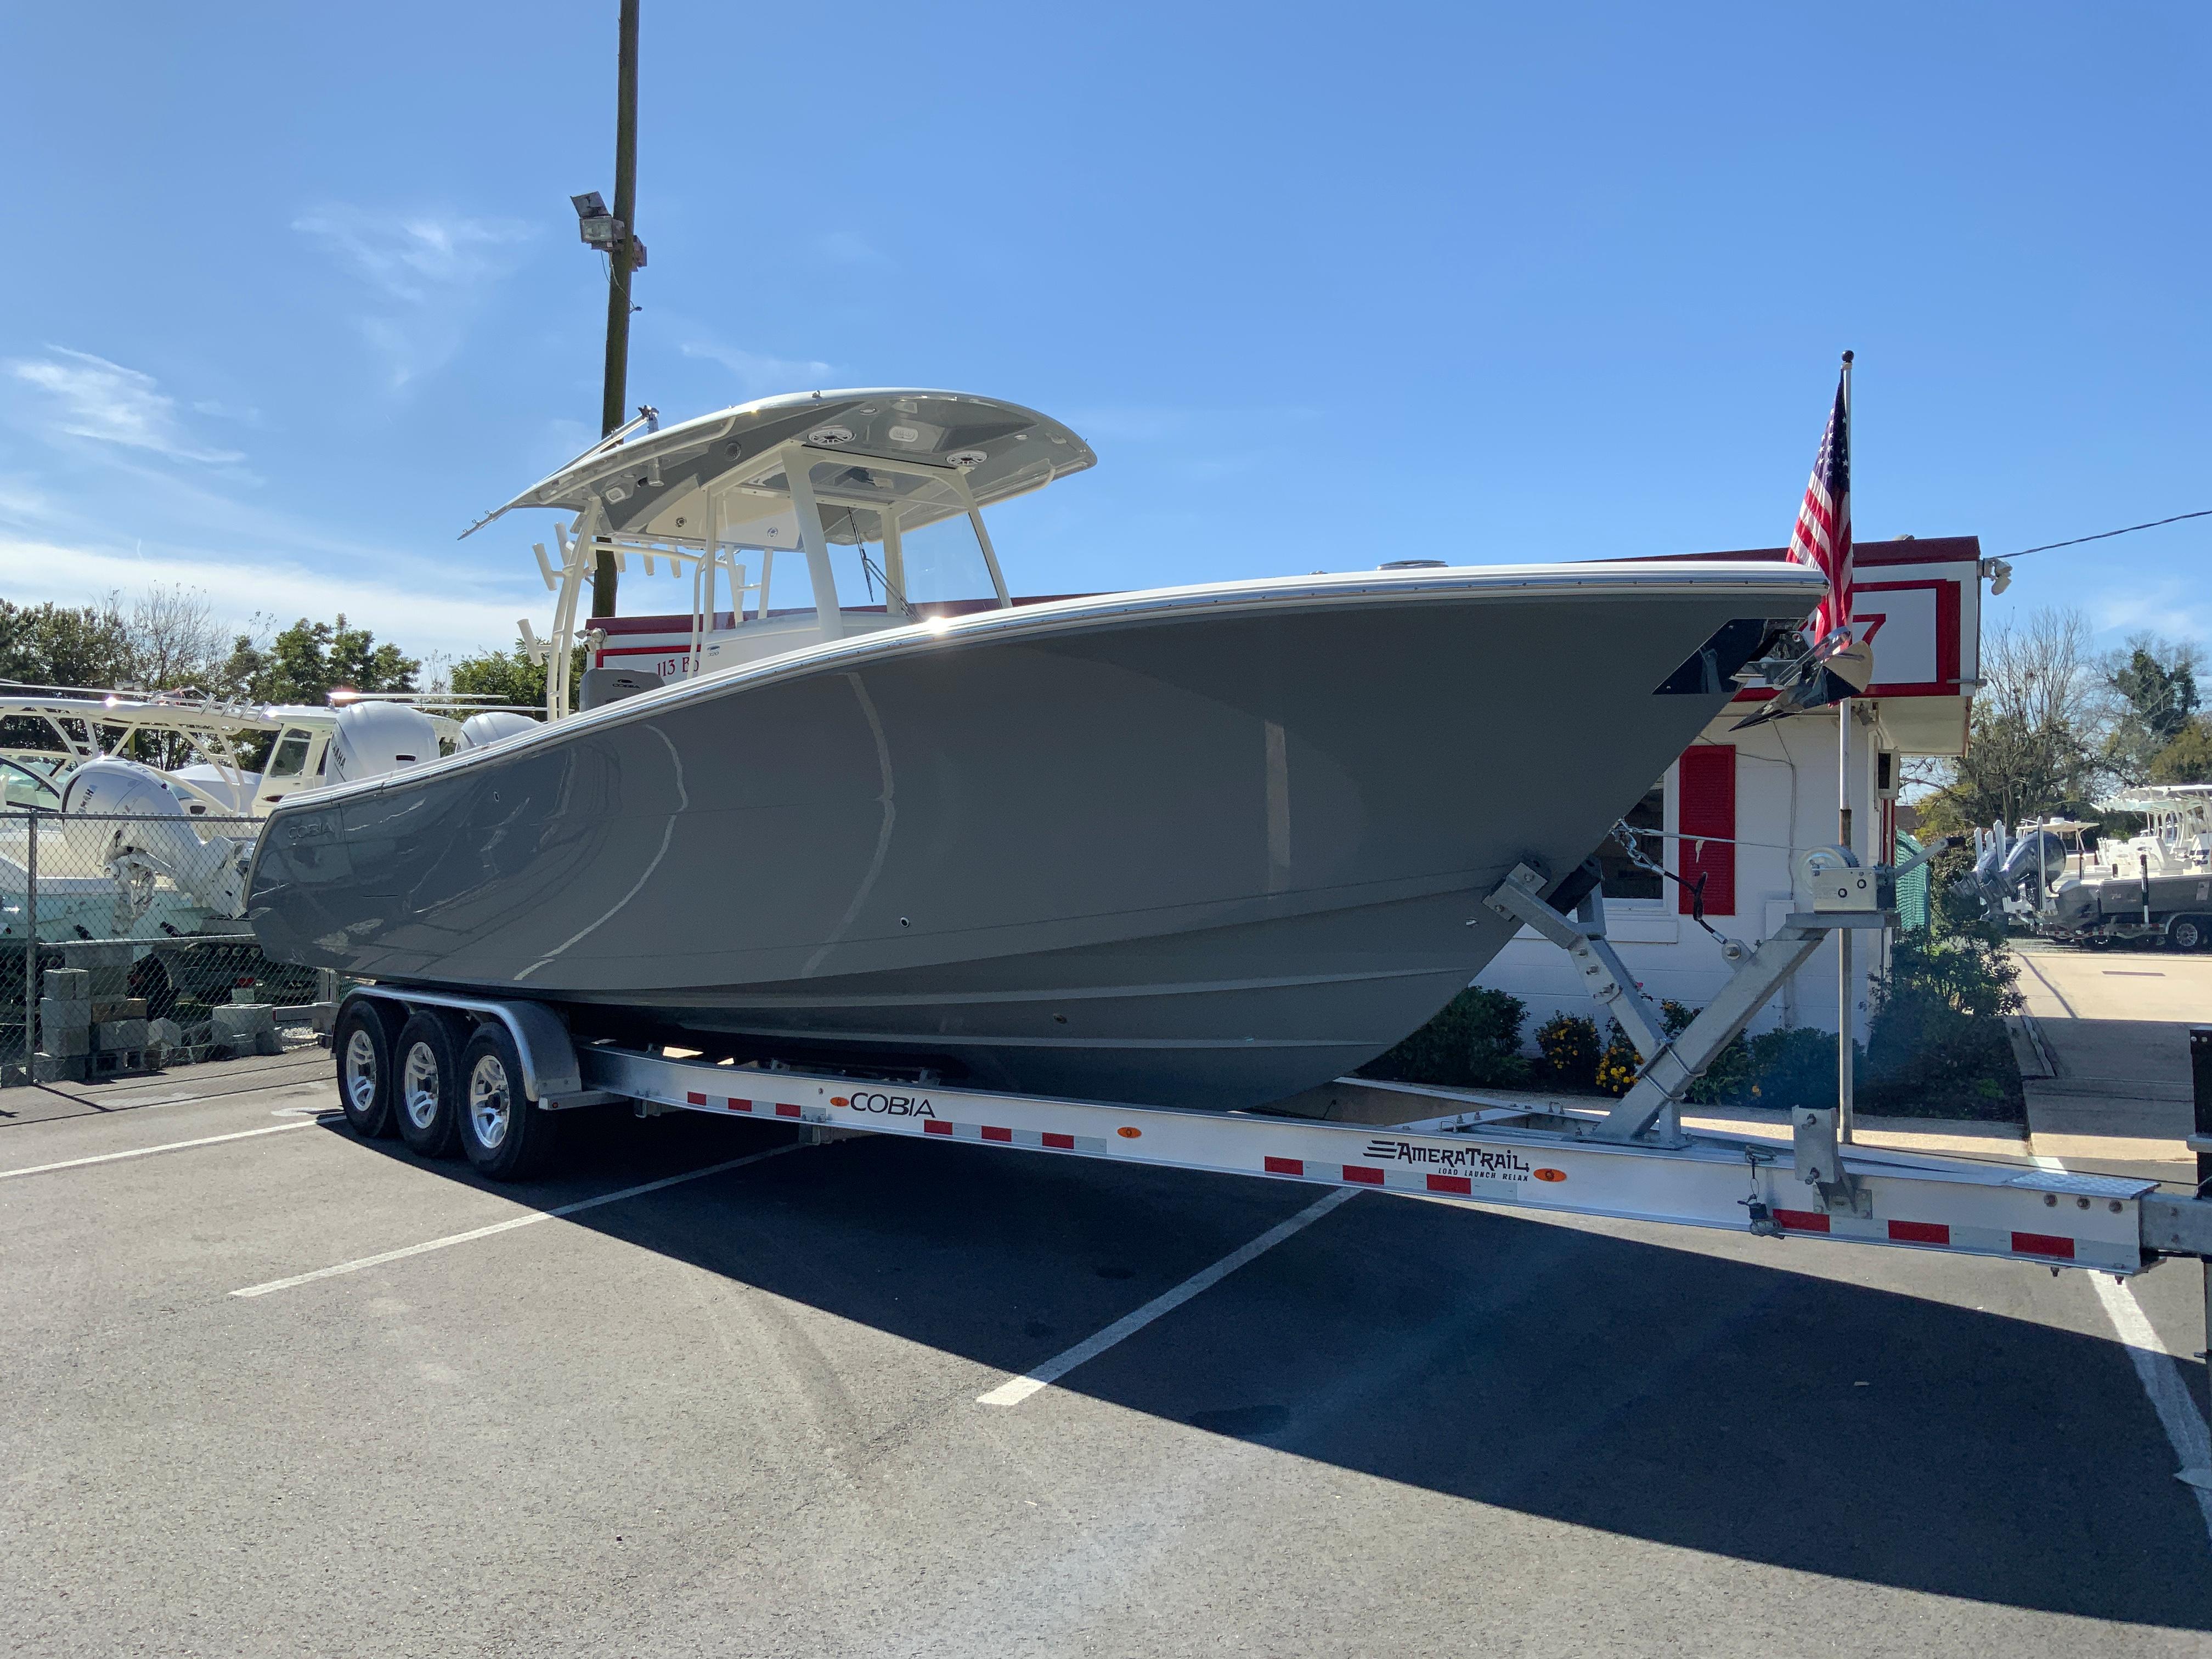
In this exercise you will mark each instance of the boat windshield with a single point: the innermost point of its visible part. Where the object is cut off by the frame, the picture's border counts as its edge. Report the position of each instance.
(902, 529)
(289, 758)
(26, 787)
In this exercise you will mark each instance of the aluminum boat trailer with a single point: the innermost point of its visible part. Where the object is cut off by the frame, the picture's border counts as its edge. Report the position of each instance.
(492, 1073)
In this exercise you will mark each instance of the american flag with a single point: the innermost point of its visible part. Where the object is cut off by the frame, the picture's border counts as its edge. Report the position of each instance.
(1822, 538)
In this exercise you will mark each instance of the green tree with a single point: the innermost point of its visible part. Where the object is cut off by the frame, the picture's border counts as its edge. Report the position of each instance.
(2187, 759)
(308, 660)
(513, 675)
(2154, 683)
(49, 644)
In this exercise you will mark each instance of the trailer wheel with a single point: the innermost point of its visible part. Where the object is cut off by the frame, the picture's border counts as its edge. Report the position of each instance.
(362, 1044)
(426, 1084)
(502, 1134)
(2188, 933)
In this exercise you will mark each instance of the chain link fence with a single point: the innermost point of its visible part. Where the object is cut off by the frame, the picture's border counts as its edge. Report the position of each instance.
(123, 947)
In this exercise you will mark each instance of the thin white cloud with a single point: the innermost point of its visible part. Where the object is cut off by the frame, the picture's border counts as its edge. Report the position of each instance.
(759, 375)
(21, 502)
(415, 257)
(91, 398)
(847, 247)
(460, 622)
(429, 270)
(2157, 607)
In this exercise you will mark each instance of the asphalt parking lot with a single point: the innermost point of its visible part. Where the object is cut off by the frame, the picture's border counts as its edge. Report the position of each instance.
(738, 1413)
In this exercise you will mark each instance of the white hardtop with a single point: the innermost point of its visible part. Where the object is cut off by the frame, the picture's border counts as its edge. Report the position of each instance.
(718, 497)
(655, 484)
(2162, 800)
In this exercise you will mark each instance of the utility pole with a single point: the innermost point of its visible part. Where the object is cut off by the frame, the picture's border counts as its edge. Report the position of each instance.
(621, 260)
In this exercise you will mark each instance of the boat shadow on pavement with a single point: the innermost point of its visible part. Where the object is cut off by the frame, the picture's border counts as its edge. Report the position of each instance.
(1759, 1412)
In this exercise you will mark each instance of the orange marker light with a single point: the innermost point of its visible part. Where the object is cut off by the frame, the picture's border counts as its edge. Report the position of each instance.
(1551, 1175)
(839, 1099)
(1127, 1133)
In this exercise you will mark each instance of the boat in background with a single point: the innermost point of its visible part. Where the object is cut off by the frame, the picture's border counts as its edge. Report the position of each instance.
(1200, 845)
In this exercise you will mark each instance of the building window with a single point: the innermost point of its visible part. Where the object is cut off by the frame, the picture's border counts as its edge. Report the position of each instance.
(1624, 877)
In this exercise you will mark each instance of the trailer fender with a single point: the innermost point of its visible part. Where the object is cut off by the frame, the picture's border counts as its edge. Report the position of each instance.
(550, 1067)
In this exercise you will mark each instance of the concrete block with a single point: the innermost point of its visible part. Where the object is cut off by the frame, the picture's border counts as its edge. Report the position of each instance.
(247, 1027)
(67, 984)
(58, 1068)
(165, 1032)
(65, 1039)
(109, 1008)
(118, 1034)
(55, 1016)
(97, 953)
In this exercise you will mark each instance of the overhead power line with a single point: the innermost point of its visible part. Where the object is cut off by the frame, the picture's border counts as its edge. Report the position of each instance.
(2102, 534)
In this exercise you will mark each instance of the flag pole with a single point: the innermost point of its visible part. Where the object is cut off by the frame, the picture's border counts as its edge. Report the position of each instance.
(1845, 1000)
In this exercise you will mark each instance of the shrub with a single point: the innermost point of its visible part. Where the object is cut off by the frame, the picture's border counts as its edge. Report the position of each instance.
(1618, 1066)
(1568, 1045)
(1473, 1043)
(1795, 1067)
(1937, 1046)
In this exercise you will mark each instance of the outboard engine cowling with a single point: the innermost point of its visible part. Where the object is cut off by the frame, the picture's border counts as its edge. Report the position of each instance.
(153, 827)
(495, 725)
(2032, 856)
(373, 739)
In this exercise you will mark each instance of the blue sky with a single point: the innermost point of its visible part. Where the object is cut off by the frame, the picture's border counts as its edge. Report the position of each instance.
(294, 292)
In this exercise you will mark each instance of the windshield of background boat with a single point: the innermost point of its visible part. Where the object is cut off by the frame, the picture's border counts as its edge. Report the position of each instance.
(26, 787)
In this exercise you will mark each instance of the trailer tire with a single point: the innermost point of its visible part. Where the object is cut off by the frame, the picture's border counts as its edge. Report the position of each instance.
(503, 1134)
(363, 1046)
(426, 1082)
(2188, 933)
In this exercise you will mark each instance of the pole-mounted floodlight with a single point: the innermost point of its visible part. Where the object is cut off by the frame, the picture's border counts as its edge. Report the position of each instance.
(601, 230)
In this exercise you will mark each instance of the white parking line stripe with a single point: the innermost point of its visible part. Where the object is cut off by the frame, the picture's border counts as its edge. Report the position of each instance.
(1016, 1389)
(148, 1151)
(508, 1225)
(2159, 1370)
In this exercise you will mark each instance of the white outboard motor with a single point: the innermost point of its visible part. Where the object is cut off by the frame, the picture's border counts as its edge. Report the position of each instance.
(373, 739)
(216, 786)
(493, 726)
(155, 835)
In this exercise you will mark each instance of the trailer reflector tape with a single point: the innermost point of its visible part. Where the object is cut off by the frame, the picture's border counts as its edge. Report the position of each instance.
(1485, 1156)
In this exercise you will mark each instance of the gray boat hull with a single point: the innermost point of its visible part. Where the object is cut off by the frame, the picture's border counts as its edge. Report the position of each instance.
(1173, 849)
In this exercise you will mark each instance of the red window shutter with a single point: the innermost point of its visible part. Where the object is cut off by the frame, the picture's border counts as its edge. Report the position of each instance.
(1705, 784)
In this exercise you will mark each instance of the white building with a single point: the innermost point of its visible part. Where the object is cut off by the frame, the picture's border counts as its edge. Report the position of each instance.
(1761, 793)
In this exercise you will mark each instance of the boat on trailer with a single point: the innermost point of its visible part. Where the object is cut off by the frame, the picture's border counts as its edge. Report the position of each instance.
(1200, 845)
